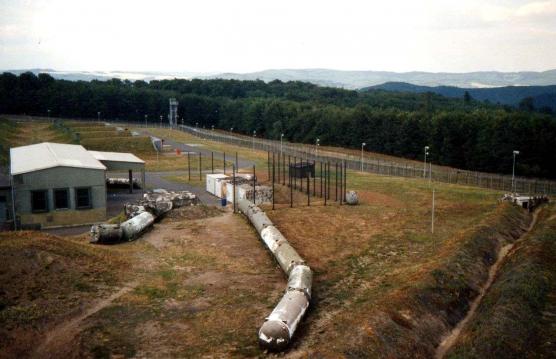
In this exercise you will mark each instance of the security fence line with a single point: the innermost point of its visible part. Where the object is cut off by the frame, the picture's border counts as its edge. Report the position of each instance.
(384, 167)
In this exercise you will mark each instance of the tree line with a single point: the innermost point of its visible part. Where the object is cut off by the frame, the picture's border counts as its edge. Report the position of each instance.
(462, 133)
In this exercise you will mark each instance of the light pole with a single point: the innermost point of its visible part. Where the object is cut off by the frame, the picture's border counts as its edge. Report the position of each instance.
(98, 116)
(212, 127)
(48, 111)
(425, 163)
(513, 171)
(317, 147)
(254, 135)
(362, 146)
(160, 121)
(281, 145)
(146, 117)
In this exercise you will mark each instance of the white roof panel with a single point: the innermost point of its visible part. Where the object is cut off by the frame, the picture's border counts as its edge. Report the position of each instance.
(116, 156)
(48, 155)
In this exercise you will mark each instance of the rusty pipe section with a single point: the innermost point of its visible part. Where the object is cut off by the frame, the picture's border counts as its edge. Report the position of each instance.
(278, 329)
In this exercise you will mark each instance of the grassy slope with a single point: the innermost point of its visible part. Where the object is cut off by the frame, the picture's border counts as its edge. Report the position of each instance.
(8, 130)
(44, 279)
(516, 317)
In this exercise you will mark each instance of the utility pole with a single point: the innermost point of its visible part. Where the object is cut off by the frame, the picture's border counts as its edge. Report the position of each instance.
(254, 135)
(513, 171)
(146, 117)
(98, 116)
(281, 144)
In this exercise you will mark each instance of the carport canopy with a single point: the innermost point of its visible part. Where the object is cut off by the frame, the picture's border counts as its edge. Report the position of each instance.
(121, 161)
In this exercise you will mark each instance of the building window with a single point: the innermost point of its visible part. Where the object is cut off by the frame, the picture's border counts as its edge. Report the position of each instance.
(61, 198)
(83, 198)
(39, 201)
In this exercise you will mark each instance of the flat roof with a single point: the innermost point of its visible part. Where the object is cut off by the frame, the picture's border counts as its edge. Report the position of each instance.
(116, 157)
(45, 155)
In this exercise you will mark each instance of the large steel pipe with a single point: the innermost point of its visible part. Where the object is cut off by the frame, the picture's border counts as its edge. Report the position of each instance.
(127, 231)
(277, 331)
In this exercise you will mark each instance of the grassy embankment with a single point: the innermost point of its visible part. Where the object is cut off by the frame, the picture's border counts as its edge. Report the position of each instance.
(47, 279)
(517, 316)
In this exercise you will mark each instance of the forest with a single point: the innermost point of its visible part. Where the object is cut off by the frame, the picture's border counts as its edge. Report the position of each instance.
(462, 133)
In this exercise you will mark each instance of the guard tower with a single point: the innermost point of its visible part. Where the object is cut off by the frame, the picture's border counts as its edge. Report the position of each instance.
(173, 115)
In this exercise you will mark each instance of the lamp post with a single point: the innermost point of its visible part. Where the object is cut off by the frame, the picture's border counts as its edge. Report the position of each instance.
(254, 135)
(146, 120)
(212, 127)
(281, 145)
(160, 121)
(317, 147)
(425, 162)
(98, 116)
(48, 112)
(513, 171)
(362, 146)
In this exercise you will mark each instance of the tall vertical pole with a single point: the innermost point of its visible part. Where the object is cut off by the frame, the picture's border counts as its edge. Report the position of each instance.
(320, 179)
(237, 164)
(273, 174)
(314, 173)
(254, 185)
(294, 175)
(432, 214)
(308, 191)
(345, 180)
(200, 167)
(336, 195)
(341, 183)
(234, 186)
(328, 181)
(268, 162)
(189, 165)
(212, 162)
(224, 161)
(277, 166)
(291, 187)
(325, 182)
(362, 145)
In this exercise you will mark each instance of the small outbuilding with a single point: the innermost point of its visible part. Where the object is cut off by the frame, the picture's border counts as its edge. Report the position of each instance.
(55, 184)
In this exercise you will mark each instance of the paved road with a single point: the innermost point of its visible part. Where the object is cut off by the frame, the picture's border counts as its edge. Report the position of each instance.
(242, 162)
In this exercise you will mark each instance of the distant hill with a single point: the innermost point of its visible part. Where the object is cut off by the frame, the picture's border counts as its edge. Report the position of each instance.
(361, 79)
(543, 96)
(332, 78)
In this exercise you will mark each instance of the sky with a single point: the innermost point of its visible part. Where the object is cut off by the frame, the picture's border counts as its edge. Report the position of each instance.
(251, 35)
